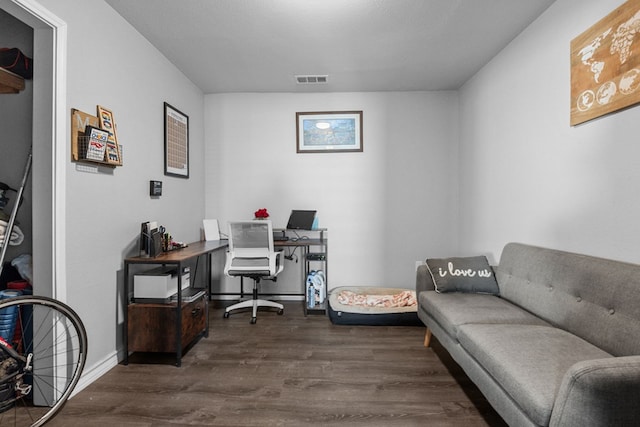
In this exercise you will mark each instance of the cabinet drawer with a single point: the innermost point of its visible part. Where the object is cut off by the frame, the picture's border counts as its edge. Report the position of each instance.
(152, 326)
(194, 320)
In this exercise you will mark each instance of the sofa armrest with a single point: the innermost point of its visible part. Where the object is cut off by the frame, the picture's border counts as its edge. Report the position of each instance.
(424, 282)
(602, 392)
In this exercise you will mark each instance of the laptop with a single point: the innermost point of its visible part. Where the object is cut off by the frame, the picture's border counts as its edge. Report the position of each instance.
(301, 220)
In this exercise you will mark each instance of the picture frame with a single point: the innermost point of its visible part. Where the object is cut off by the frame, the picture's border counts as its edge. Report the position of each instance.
(96, 144)
(107, 123)
(329, 132)
(176, 142)
(605, 65)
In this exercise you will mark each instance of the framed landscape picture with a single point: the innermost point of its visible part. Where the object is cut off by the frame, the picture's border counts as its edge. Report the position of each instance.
(329, 131)
(176, 142)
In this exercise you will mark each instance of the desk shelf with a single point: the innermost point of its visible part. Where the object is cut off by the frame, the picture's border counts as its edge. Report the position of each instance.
(315, 259)
(174, 326)
(313, 244)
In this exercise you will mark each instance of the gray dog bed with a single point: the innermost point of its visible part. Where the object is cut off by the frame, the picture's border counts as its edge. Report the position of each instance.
(365, 305)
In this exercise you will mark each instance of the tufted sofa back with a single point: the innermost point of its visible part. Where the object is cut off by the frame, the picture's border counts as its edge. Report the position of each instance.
(594, 298)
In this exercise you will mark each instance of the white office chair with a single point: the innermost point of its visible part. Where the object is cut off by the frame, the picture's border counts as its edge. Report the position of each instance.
(251, 254)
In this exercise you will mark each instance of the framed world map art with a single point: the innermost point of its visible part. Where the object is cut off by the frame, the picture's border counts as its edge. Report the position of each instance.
(605, 65)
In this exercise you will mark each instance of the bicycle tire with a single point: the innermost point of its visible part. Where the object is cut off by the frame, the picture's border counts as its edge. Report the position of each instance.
(65, 340)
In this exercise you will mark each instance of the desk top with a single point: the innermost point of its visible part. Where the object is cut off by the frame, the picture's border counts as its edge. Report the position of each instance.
(300, 242)
(178, 255)
(302, 239)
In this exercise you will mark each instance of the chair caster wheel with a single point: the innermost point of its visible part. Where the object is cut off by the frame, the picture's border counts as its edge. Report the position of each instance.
(226, 315)
(280, 312)
(253, 320)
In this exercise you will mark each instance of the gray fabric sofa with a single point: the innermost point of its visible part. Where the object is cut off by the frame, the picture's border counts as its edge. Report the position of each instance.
(559, 346)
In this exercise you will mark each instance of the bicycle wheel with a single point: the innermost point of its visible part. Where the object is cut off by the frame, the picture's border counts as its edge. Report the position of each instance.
(51, 342)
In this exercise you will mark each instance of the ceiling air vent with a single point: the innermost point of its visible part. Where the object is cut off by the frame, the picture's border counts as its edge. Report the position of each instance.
(313, 80)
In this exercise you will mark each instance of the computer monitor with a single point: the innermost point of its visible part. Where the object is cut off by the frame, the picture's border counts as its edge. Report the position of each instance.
(301, 220)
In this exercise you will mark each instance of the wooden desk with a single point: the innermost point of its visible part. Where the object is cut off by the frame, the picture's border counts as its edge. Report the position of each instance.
(178, 258)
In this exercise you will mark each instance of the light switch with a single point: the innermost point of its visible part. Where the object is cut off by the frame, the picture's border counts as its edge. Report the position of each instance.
(155, 188)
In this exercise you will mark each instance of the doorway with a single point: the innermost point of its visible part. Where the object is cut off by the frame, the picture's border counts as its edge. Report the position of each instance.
(48, 148)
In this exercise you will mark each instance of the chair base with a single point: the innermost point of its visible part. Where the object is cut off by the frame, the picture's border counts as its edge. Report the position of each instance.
(254, 304)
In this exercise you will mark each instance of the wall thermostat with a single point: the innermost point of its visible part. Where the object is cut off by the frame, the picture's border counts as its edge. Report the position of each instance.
(155, 188)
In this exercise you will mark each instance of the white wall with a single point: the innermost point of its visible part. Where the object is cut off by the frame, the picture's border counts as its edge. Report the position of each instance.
(110, 64)
(526, 175)
(15, 132)
(385, 208)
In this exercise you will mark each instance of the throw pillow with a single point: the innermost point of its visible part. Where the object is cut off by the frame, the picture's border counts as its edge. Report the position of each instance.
(470, 274)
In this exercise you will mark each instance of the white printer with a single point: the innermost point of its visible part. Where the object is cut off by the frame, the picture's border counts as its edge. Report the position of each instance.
(159, 283)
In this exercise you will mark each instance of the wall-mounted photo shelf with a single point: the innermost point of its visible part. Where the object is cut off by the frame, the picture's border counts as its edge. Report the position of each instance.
(80, 142)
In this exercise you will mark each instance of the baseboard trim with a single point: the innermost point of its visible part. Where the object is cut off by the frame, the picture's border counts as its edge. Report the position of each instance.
(267, 296)
(96, 371)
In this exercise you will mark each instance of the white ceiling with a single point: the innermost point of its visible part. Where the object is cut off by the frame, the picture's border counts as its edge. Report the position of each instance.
(362, 45)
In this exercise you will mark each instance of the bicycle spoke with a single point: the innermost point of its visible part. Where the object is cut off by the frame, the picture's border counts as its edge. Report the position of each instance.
(55, 336)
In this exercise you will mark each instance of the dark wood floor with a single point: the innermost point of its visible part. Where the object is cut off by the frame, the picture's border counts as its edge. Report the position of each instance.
(288, 370)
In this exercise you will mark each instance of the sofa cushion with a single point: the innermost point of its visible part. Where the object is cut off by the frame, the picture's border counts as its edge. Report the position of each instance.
(453, 310)
(528, 361)
(470, 274)
(594, 298)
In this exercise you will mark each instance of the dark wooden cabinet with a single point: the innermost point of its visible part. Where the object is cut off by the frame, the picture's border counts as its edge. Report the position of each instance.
(151, 327)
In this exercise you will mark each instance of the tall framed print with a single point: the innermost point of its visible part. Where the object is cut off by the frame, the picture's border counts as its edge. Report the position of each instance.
(107, 123)
(176, 142)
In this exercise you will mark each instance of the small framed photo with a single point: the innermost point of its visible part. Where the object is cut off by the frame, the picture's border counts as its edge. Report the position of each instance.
(96, 143)
(329, 132)
(176, 142)
(106, 121)
(108, 124)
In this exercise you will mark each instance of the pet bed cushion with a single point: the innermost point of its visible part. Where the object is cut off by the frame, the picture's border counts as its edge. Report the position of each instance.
(364, 305)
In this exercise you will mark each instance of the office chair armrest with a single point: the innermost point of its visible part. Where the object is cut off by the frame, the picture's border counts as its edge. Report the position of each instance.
(275, 262)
